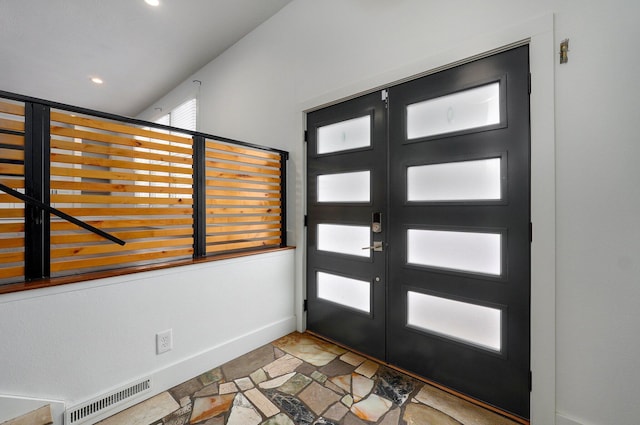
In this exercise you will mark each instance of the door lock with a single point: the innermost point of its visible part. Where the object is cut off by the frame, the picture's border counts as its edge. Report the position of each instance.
(377, 246)
(376, 222)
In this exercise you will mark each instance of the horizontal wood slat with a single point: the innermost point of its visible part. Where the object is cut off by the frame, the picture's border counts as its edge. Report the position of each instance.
(241, 194)
(12, 242)
(242, 237)
(242, 245)
(10, 228)
(11, 257)
(116, 175)
(12, 139)
(119, 212)
(12, 154)
(12, 212)
(119, 140)
(244, 168)
(250, 227)
(237, 184)
(239, 176)
(127, 236)
(119, 260)
(108, 199)
(248, 211)
(116, 163)
(241, 150)
(115, 188)
(11, 169)
(113, 224)
(243, 159)
(117, 128)
(9, 272)
(12, 108)
(12, 125)
(120, 152)
(111, 248)
(217, 220)
(14, 184)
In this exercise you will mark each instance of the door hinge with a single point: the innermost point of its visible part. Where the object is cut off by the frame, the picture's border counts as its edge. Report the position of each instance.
(306, 136)
(530, 232)
(530, 381)
(385, 97)
(306, 220)
(305, 305)
(529, 83)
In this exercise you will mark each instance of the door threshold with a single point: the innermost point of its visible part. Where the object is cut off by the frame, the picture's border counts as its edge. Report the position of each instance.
(455, 393)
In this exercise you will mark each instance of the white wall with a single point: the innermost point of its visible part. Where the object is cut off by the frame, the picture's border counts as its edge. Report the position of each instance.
(318, 51)
(74, 342)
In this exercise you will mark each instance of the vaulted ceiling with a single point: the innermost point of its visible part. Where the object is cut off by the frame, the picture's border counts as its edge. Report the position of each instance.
(51, 49)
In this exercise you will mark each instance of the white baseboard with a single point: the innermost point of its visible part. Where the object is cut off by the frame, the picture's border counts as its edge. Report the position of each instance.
(12, 407)
(187, 368)
(561, 420)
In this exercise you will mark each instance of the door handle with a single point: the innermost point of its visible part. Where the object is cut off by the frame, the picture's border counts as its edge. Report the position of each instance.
(377, 246)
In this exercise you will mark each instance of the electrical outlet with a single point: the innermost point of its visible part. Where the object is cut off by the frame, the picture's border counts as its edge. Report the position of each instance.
(164, 341)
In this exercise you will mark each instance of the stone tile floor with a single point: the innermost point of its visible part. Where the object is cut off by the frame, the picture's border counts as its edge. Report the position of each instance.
(302, 380)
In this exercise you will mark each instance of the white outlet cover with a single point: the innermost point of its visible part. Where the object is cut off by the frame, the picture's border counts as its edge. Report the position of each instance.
(164, 341)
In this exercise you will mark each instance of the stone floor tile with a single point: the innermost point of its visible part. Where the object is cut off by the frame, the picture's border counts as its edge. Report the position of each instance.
(279, 419)
(351, 419)
(360, 386)
(392, 417)
(248, 363)
(146, 412)
(208, 378)
(324, 421)
(459, 409)
(347, 400)
(244, 383)
(283, 365)
(209, 390)
(306, 368)
(343, 381)
(40, 416)
(275, 383)
(228, 388)
(243, 412)
(179, 417)
(318, 398)
(295, 408)
(309, 349)
(294, 385)
(419, 414)
(319, 376)
(186, 389)
(258, 376)
(215, 421)
(368, 368)
(371, 408)
(393, 385)
(333, 387)
(263, 404)
(278, 352)
(352, 359)
(209, 407)
(336, 367)
(336, 412)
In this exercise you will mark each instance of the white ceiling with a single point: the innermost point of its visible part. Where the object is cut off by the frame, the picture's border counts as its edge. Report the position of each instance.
(50, 49)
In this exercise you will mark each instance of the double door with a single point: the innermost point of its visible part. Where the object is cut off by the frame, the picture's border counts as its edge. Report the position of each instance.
(419, 227)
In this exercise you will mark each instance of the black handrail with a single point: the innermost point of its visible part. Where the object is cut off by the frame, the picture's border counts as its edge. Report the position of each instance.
(60, 214)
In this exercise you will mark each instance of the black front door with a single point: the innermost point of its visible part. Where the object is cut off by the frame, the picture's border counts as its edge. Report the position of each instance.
(446, 165)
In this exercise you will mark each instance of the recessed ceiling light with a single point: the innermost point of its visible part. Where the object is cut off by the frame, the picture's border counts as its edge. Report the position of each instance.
(153, 2)
(97, 80)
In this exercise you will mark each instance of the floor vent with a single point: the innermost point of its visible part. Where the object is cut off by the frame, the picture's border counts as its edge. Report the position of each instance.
(89, 410)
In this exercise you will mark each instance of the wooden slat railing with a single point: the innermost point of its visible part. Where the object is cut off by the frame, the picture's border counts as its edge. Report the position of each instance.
(149, 172)
(12, 225)
(250, 195)
(131, 181)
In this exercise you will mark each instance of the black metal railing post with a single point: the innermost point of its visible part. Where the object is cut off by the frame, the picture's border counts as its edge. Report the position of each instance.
(37, 175)
(283, 197)
(199, 197)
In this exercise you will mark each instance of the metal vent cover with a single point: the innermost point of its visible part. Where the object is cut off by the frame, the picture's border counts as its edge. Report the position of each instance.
(86, 411)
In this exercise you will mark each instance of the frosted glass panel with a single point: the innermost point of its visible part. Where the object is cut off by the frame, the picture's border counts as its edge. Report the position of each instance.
(477, 107)
(342, 290)
(351, 134)
(464, 251)
(455, 181)
(344, 239)
(472, 323)
(345, 187)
